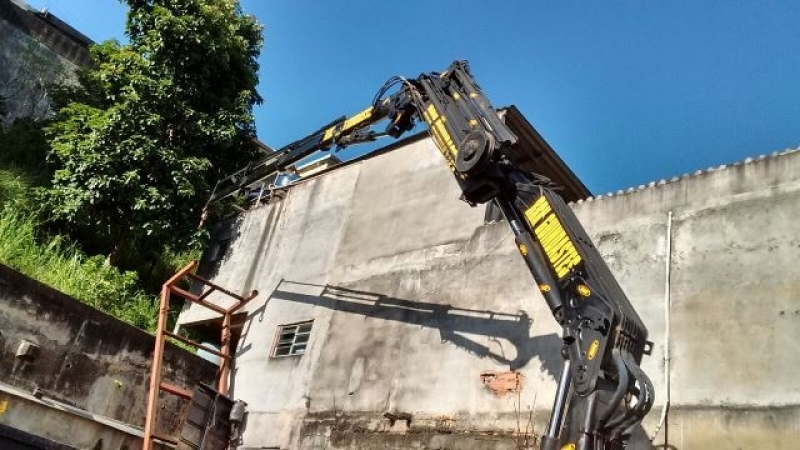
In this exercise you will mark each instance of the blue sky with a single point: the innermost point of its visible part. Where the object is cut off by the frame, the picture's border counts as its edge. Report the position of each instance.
(626, 91)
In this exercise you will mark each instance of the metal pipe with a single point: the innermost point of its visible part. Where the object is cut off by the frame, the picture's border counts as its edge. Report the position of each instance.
(667, 300)
(557, 416)
(225, 360)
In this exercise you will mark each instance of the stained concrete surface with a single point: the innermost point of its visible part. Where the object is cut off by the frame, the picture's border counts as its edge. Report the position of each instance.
(85, 360)
(34, 51)
(413, 297)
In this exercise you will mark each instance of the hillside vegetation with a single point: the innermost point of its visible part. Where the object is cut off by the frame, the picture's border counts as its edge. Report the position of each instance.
(56, 262)
(101, 198)
(53, 260)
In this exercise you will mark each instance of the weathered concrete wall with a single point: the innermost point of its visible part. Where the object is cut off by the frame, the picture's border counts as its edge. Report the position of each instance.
(36, 49)
(413, 297)
(88, 380)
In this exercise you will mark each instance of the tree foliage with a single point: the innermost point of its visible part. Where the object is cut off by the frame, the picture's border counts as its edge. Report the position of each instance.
(23, 145)
(138, 143)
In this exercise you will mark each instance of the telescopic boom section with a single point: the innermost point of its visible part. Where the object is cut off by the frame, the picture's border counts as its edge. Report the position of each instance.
(602, 388)
(340, 133)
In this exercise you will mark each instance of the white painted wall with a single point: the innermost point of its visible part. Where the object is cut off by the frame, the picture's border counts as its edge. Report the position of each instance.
(393, 228)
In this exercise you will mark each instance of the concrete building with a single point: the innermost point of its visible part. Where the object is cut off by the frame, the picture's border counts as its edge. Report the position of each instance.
(36, 48)
(393, 316)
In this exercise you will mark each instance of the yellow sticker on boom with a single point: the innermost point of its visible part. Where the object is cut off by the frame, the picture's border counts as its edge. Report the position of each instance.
(357, 121)
(436, 123)
(569, 446)
(560, 251)
(593, 348)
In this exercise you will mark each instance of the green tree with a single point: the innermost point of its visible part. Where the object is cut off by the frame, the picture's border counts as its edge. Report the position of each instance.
(138, 143)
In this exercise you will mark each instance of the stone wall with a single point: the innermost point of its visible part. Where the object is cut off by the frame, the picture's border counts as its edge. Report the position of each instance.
(36, 50)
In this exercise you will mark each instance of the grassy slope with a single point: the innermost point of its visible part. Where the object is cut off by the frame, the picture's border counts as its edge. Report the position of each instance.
(57, 263)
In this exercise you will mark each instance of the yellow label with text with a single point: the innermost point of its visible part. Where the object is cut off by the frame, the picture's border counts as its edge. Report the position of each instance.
(559, 249)
(436, 123)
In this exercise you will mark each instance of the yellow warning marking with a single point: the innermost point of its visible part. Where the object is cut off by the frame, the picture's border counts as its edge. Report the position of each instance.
(593, 347)
(569, 446)
(350, 124)
(3, 406)
(583, 290)
(544, 287)
(537, 210)
(441, 137)
(560, 250)
(523, 249)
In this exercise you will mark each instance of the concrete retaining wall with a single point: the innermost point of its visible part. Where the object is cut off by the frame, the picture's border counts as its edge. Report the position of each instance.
(413, 297)
(86, 383)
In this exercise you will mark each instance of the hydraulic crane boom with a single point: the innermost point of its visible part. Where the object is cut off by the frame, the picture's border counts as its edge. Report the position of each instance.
(602, 387)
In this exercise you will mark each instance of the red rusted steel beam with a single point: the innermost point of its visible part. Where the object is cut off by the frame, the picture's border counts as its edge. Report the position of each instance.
(156, 385)
(206, 293)
(175, 390)
(225, 363)
(215, 286)
(155, 370)
(243, 301)
(187, 270)
(195, 299)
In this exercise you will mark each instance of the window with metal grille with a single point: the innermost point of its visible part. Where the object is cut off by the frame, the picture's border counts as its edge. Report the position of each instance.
(292, 339)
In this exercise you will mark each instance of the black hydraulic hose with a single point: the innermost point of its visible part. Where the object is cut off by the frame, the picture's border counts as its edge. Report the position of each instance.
(644, 399)
(622, 388)
(643, 407)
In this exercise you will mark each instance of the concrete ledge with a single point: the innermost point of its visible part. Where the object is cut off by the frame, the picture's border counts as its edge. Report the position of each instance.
(767, 428)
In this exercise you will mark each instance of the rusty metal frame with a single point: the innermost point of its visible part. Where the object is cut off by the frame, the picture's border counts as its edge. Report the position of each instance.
(168, 289)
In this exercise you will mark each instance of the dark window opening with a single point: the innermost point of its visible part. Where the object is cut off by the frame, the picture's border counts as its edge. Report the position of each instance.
(292, 339)
(219, 250)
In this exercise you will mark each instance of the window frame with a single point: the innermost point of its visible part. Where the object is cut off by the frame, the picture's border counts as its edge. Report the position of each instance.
(278, 343)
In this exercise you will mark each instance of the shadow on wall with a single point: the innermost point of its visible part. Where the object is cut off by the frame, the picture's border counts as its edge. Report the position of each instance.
(456, 326)
(453, 323)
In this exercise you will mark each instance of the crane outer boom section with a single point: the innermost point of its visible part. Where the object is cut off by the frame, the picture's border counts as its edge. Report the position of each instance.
(341, 132)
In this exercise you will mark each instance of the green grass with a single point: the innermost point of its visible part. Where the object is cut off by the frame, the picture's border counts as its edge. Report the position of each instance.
(59, 264)
(16, 188)
(52, 259)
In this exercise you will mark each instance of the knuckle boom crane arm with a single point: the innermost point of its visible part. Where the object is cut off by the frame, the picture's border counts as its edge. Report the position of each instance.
(601, 386)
